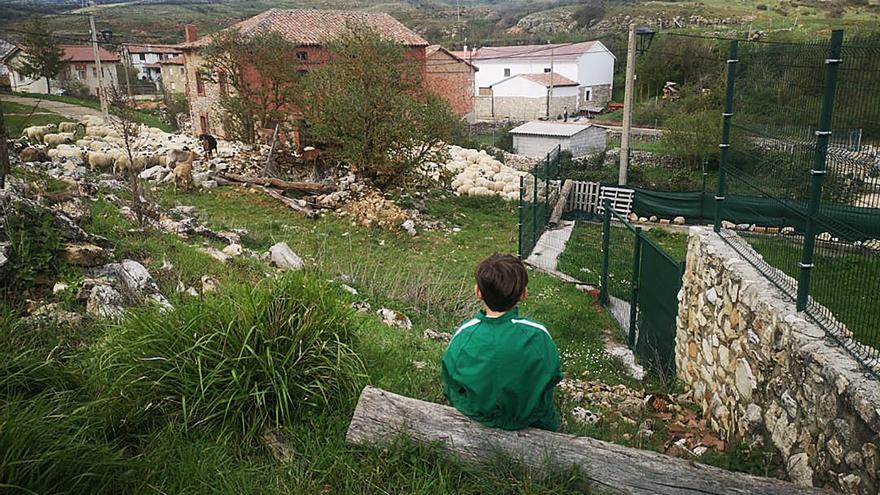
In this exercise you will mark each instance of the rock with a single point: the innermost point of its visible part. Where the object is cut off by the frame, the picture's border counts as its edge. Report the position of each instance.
(394, 319)
(664, 221)
(585, 416)
(678, 220)
(83, 254)
(284, 258)
(632, 217)
(153, 173)
(787, 231)
(799, 470)
(745, 380)
(135, 283)
(200, 178)
(643, 219)
(215, 253)
(743, 226)
(361, 306)
(209, 284)
(209, 184)
(824, 236)
(872, 244)
(4, 256)
(105, 302)
(712, 296)
(232, 250)
(59, 287)
(351, 290)
(728, 225)
(437, 336)
(54, 312)
(653, 218)
(410, 227)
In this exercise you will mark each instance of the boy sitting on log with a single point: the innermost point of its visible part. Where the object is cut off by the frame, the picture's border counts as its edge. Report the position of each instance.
(500, 369)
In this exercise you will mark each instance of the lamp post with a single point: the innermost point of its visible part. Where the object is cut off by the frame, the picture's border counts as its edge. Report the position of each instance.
(639, 41)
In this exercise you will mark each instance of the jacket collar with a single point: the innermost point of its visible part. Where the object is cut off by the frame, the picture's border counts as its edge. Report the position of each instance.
(505, 318)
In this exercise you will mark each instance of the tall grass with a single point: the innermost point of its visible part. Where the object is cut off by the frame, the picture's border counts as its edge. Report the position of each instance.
(253, 356)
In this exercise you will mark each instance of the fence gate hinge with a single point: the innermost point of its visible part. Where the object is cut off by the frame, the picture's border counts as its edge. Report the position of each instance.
(818, 172)
(733, 61)
(806, 265)
(823, 133)
(833, 60)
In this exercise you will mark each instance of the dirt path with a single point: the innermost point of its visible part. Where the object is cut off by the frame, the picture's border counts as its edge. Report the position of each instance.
(68, 110)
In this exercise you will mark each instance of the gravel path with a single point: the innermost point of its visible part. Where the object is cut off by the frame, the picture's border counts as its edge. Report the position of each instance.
(68, 110)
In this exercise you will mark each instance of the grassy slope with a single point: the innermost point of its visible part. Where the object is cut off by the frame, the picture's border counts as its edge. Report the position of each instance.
(146, 118)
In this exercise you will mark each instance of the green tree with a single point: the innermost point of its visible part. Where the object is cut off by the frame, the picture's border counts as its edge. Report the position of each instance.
(258, 79)
(693, 136)
(369, 104)
(41, 56)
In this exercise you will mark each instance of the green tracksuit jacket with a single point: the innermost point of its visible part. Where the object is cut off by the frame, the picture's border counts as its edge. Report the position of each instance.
(501, 372)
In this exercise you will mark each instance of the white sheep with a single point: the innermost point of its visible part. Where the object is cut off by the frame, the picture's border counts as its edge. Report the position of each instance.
(35, 133)
(59, 138)
(101, 160)
(69, 127)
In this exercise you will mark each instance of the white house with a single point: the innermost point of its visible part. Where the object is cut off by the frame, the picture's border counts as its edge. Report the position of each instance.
(529, 96)
(78, 66)
(589, 64)
(148, 59)
(539, 138)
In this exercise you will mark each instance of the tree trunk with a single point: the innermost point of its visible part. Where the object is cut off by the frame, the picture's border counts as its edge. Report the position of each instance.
(48, 86)
(560, 203)
(382, 416)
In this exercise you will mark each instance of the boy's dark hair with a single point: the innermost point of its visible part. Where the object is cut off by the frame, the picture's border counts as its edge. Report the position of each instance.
(501, 278)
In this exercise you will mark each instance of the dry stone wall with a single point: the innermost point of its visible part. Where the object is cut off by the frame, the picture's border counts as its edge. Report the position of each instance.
(762, 372)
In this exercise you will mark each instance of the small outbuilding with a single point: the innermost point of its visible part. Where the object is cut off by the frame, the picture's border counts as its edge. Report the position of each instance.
(539, 138)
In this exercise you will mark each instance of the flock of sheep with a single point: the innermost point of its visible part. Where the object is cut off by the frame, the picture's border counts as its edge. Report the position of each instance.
(479, 174)
(102, 148)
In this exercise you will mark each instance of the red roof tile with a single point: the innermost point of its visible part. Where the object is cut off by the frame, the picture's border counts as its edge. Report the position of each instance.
(560, 51)
(317, 27)
(84, 53)
(544, 79)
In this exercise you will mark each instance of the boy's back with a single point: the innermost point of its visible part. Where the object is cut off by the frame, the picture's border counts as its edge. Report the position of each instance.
(501, 371)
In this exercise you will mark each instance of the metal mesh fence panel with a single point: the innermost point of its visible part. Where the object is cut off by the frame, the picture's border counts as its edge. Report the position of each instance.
(539, 192)
(803, 131)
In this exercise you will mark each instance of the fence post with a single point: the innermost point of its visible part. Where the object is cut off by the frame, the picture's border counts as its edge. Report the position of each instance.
(606, 241)
(535, 207)
(519, 248)
(725, 133)
(634, 300)
(546, 191)
(823, 136)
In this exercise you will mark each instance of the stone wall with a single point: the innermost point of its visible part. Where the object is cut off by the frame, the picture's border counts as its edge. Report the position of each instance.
(601, 95)
(762, 372)
(521, 109)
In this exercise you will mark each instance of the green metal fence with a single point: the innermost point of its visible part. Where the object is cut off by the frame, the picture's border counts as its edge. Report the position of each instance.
(801, 128)
(641, 280)
(538, 192)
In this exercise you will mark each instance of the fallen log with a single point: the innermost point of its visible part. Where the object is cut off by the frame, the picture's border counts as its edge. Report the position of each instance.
(382, 416)
(290, 203)
(560, 203)
(303, 187)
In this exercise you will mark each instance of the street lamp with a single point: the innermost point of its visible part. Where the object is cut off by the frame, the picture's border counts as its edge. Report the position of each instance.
(106, 35)
(645, 36)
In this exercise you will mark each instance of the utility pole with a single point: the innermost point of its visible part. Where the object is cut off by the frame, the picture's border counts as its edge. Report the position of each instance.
(127, 67)
(627, 104)
(4, 151)
(102, 94)
(550, 90)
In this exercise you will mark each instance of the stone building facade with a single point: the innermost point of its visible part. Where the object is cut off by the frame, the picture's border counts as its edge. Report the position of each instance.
(762, 372)
(452, 78)
(309, 31)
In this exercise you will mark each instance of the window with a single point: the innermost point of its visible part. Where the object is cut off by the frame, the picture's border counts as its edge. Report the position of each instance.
(221, 80)
(588, 94)
(95, 72)
(200, 85)
(546, 70)
(506, 72)
(203, 123)
(485, 91)
(142, 57)
(302, 56)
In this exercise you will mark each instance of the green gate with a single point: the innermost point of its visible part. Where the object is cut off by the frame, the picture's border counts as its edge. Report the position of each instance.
(654, 284)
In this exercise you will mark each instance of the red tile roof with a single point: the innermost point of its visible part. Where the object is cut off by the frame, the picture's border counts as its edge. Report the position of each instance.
(563, 51)
(132, 48)
(317, 27)
(543, 79)
(84, 53)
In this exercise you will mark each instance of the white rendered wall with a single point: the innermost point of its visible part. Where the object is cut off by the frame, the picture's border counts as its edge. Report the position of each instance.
(492, 71)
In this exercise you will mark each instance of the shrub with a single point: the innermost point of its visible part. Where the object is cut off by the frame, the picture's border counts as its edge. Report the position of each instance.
(33, 244)
(252, 356)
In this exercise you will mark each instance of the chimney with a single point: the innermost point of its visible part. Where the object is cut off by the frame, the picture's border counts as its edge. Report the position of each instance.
(190, 33)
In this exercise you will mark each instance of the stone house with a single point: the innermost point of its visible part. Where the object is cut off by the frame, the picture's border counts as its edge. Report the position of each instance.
(78, 67)
(309, 30)
(148, 59)
(589, 64)
(539, 138)
(451, 77)
(525, 97)
(173, 75)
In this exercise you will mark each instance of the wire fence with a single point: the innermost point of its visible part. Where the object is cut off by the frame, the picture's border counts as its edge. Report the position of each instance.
(538, 192)
(802, 129)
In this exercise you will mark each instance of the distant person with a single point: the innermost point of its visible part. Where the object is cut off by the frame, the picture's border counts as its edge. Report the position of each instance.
(209, 145)
(565, 115)
(500, 369)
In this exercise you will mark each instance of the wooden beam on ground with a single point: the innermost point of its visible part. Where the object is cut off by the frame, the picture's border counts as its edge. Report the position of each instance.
(303, 187)
(560, 203)
(290, 203)
(382, 416)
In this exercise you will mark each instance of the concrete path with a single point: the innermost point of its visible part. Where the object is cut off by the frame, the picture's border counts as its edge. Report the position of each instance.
(551, 244)
(68, 110)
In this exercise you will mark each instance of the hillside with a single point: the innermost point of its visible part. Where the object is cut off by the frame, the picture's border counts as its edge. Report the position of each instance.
(481, 21)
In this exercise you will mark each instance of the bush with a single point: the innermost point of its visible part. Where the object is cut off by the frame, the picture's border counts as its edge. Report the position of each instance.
(253, 356)
(33, 246)
(693, 136)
